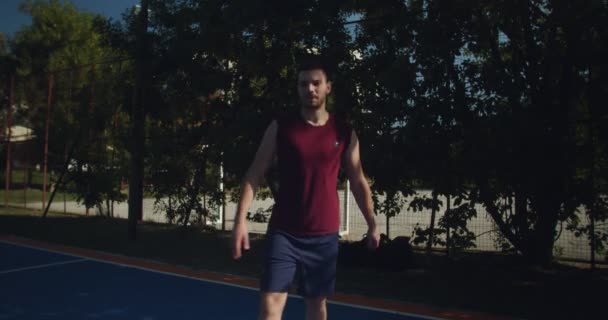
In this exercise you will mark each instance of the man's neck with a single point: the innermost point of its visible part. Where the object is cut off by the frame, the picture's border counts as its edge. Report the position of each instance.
(315, 117)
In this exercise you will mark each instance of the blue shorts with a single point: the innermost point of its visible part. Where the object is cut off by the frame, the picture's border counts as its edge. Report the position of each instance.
(313, 259)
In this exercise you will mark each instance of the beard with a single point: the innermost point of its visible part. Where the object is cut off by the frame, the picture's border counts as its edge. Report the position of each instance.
(312, 103)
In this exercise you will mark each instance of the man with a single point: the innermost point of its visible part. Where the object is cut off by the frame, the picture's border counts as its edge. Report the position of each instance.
(303, 229)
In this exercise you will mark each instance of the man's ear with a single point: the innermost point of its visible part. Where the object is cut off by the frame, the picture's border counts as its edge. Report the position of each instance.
(328, 87)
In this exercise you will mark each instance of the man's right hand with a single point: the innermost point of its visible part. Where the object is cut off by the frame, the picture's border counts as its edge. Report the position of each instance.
(240, 240)
(263, 158)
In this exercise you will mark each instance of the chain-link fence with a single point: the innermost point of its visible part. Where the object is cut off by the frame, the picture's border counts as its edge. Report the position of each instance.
(354, 227)
(487, 236)
(53, 115)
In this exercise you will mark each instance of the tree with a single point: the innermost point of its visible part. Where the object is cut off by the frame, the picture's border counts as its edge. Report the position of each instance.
(439, 118)
(381, 83)
(225, 79)
(532, 83)
(65, 51)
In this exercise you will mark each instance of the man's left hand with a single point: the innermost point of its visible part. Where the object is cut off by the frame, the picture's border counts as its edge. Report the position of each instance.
(373, 239)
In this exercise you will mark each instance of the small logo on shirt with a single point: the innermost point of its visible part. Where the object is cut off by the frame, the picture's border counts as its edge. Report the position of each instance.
(337, 144)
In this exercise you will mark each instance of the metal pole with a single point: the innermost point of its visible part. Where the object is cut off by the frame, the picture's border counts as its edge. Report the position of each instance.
(26, 181)
(346, 208)
(25, 176)
(223, 206)
(65, 158)
(592, 231)
(137, 139)
(89, 115)
(7, 131)
(46, 139)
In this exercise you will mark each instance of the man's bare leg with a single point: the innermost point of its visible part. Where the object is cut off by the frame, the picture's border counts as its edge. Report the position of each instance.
(271, 305)
(316, 308)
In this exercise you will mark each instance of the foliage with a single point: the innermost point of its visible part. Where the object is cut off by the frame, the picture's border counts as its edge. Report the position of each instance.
(388, 204)
(490, 102)
(260, 215)
(531, 65)
(64, 50)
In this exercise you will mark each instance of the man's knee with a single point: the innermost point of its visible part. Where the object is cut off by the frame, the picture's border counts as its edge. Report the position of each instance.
(316, 309)
(316, 304)
(271, 305)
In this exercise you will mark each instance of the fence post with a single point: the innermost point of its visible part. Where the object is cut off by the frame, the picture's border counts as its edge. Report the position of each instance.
(25, 183)
(7, 132)
(346, 209)
(46, 138)
(592, 231)
(222, 209)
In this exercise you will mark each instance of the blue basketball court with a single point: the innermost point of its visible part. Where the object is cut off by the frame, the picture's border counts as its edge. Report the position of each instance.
(38, 283)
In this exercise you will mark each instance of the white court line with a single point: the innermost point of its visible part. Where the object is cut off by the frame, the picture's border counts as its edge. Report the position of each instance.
(42, 266)
(84, 258)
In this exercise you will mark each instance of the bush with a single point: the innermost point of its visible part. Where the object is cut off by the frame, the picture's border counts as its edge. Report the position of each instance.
(392, 255)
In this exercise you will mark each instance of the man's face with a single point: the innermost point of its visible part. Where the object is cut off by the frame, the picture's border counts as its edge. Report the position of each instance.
(313, 88)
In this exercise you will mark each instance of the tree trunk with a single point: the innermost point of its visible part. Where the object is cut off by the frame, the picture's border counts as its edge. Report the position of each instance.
(592, 237)
(542, 252)
(193, 192)
(204, 214)
(171, 220)
(448, 243)
(108, 208)
(429, 244)
(187, 216)
(388, 227)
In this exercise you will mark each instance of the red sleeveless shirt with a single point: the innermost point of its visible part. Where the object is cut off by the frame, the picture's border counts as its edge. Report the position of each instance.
(309, 158)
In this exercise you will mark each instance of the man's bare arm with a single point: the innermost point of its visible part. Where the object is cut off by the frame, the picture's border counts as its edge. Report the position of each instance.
(255, 173)
(360, 187)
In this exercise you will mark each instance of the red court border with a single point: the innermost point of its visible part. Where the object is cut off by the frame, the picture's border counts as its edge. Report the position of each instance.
(402, 307)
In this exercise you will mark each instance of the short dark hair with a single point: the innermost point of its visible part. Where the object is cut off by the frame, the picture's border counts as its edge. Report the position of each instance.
(314, 62)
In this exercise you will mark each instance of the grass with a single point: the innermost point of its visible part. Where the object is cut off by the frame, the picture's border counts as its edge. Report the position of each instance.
(19, 196)
(481, 282)
(19, 176)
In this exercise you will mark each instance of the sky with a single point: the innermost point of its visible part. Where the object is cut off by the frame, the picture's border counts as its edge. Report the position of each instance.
(12, 20)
